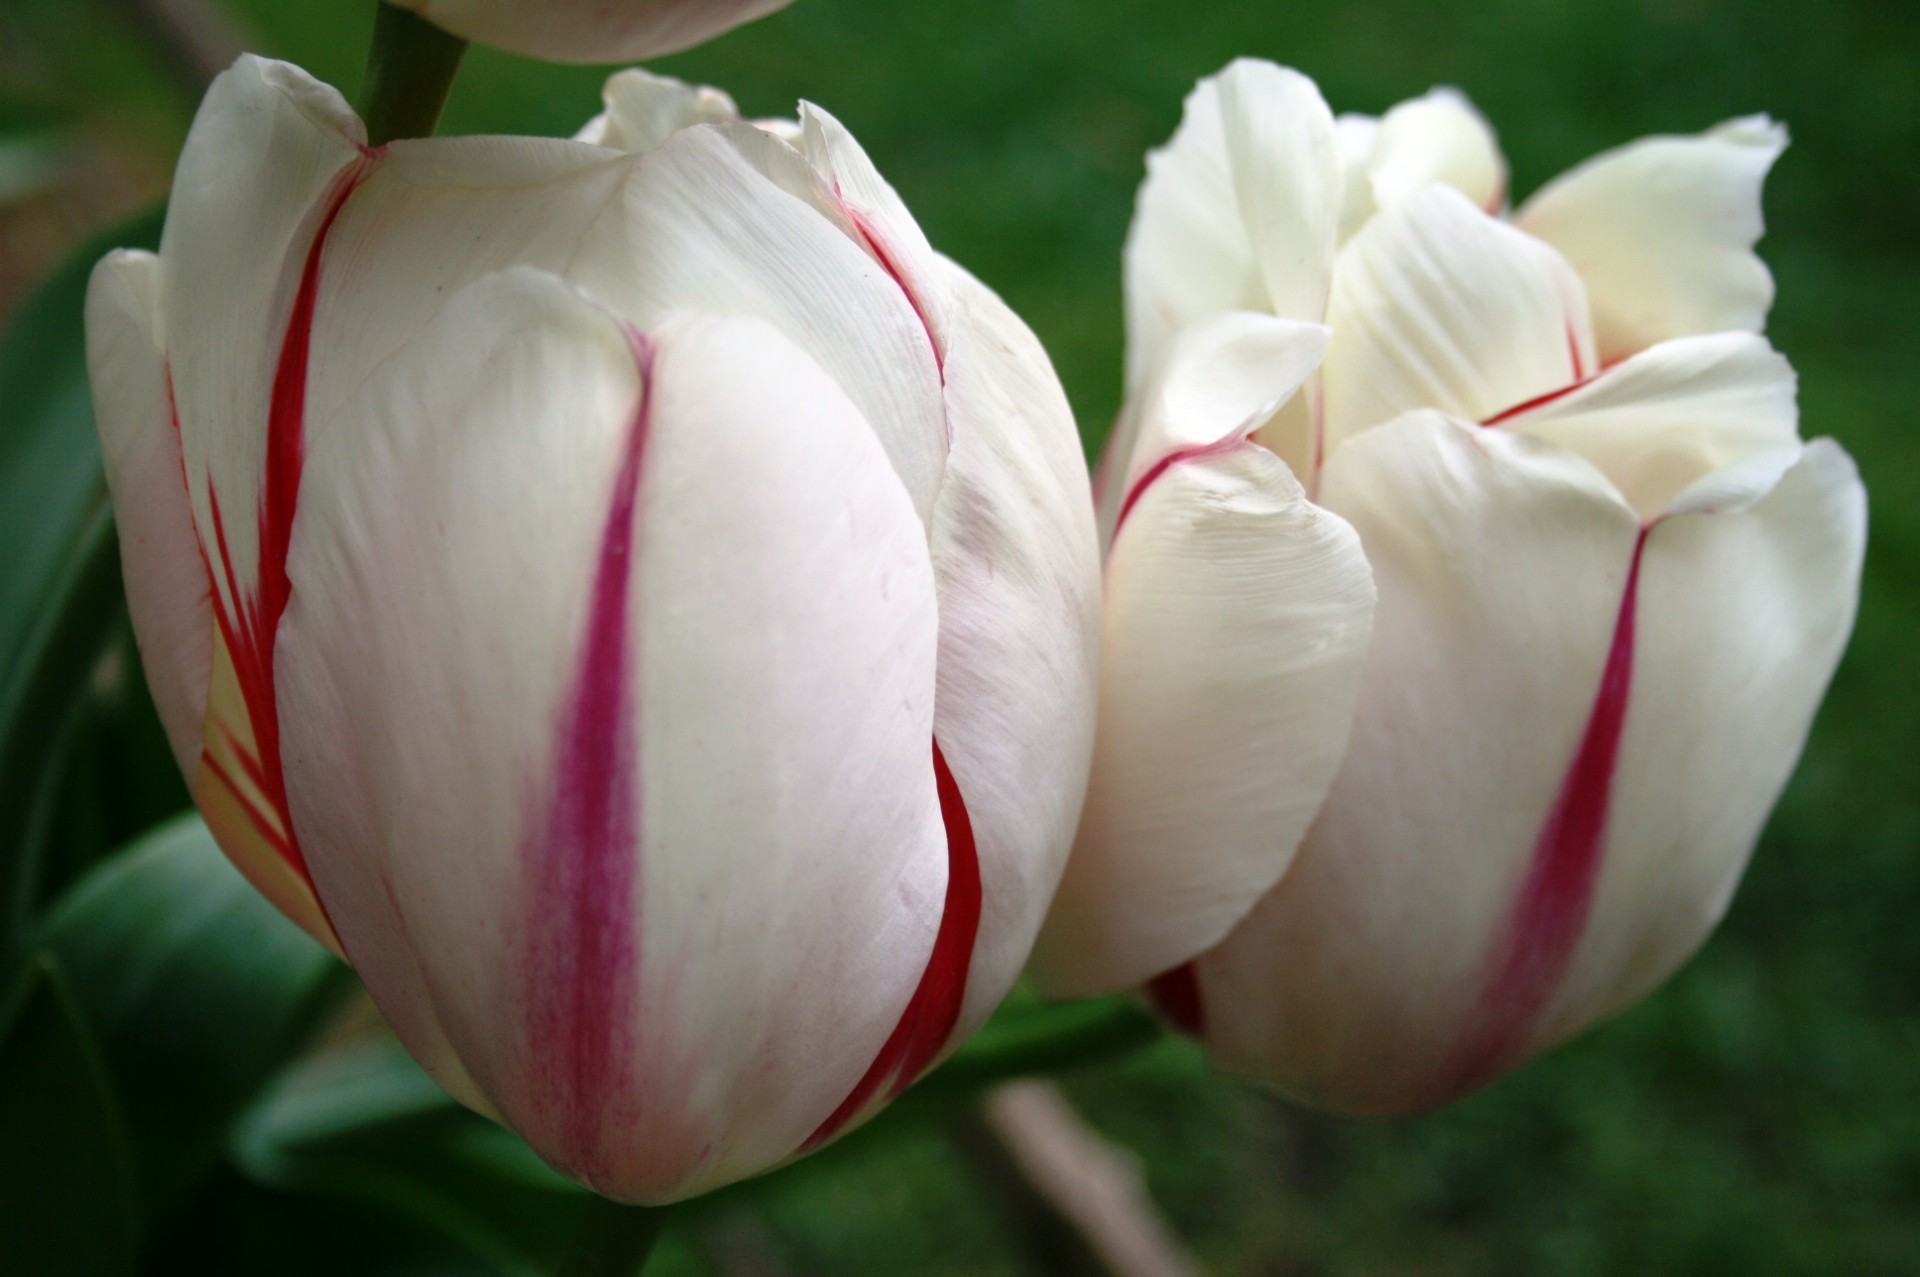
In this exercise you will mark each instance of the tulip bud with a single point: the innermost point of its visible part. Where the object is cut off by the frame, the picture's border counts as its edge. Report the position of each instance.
(591, 30)
(1449, 682)
(635, 601)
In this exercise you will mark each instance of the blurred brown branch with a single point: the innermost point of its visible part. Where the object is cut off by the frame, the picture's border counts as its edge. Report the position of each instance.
(1080, 1199)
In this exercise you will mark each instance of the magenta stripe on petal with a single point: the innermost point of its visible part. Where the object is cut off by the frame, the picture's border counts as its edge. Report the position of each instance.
(248, 615)
(582, 971)
(933, 1011)
(1218, 447)
(1548, 917)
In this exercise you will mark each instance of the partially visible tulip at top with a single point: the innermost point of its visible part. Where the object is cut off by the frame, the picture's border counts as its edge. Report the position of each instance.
(590, 30)
(629, 596)
(1469, 589)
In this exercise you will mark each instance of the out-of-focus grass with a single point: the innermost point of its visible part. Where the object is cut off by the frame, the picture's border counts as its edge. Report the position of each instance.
(1760, 1115)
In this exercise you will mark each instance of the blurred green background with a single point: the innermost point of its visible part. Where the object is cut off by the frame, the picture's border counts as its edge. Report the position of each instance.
(1760, 1115)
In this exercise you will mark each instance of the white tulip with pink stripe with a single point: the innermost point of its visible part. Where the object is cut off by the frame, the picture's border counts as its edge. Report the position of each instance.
(1469, 589)
(629, 596)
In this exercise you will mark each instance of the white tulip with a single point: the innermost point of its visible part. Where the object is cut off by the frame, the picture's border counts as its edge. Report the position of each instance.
(1380, 852)
(637, 602)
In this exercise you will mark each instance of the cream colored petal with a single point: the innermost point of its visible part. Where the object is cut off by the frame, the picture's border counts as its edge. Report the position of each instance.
(1663, 230)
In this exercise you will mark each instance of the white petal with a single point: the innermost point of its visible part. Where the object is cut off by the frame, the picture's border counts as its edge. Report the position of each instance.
(159, 554)
(294, 261)
(1236, 618)
(644, 110)
(1742, 619)
(1239, 211)
(1221, 378)
(1437, 305)
(1019, 573)
(1500, 566)
(1437, 138)
(702, 226)
(778, 642)
(591, 30)
(1353, 136)
(1662, 230)
(269, 153)
(1287, 180)
(1674, 413)
(880, 220)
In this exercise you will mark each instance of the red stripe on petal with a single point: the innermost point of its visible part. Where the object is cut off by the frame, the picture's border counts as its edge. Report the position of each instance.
(582, 974)
(1538, 401)
(1546, 920)
(879, 246)
(934, 1009)
(249, 618)
(1220, 447)
(1175, 994)
(1581, 377)
(1573, 356)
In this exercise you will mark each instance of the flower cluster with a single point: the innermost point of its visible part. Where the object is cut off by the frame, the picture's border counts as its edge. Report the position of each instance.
(644, 607)
(1469, 590)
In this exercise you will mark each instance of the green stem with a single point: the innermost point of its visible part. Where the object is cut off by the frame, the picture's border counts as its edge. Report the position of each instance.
(409, 70)
(614, 1240)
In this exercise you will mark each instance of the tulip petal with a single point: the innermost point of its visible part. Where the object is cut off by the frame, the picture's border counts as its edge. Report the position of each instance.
(1662, 230)
(1353, 136)
(1019, 578)
(1437, 305)
(1238, 212)
(1743, 617)
(264, 238)
(644, 110)
(1660, 420)
(882, 221)
(268, 159)
(784, 865)
(167, 587)
(1221, 379)
(1500, 565)
(591, 30)
(1237, 617)
(1438, 137)
(728, 219)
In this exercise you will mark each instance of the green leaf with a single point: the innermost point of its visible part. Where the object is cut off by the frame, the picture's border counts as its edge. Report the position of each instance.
(364, 1122)
(59, 579)
(40, 710)
(198, 989)
(66, 1179)
(50, 485)
(244, 1229)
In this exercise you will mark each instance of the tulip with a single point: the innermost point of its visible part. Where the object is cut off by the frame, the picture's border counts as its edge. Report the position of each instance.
(591, 30)
(631, 598)
(1470, 591)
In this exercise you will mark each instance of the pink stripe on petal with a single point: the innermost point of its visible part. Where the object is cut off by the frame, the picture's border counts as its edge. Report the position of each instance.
(879, 246)
(1573, 355)
(1548, 917)
(1581, 377)
(934, 1009)
(1219, 447)
(582, 960)
(249, 619)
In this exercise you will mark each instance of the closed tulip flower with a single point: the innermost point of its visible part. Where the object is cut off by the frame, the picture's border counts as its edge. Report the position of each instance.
(591, 30)
(631, 597)
(1470, 591)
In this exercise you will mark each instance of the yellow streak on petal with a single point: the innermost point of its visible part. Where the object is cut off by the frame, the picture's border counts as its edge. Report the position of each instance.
(245, 821)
